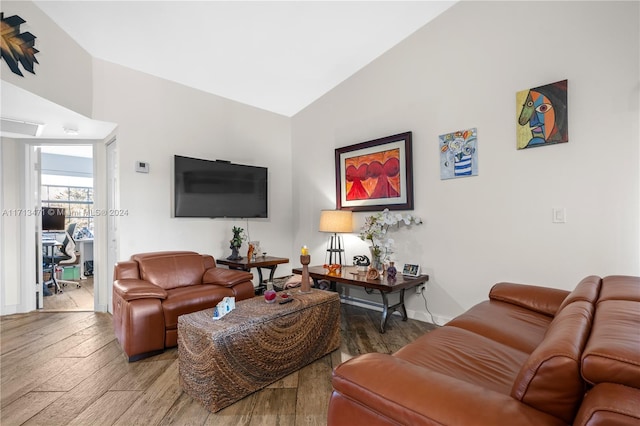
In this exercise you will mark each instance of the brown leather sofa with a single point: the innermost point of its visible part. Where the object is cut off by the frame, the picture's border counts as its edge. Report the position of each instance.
(151, 290)
(527, 356)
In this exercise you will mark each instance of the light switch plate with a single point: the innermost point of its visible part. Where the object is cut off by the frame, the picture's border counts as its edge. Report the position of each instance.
(559, 215)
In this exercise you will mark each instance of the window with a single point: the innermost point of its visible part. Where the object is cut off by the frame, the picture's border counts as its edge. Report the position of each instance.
(76, 200)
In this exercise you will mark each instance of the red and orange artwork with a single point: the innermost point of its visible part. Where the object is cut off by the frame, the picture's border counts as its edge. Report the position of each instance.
(373, 176)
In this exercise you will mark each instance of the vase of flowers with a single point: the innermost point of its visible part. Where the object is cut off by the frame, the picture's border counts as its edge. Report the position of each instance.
(235, 243)
(375, 232)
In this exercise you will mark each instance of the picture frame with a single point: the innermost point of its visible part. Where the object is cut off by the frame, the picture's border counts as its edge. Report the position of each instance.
(411, 270)
(375, 175)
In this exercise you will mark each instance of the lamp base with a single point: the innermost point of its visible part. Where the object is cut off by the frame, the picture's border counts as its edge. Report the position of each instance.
(335, 248)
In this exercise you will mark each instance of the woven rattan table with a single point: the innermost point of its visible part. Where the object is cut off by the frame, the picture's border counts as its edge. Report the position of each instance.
(222, 361)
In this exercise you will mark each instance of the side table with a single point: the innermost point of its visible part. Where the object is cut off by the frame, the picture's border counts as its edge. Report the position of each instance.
(261, 262)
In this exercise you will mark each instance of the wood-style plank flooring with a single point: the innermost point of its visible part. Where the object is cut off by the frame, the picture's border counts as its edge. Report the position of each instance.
(60, 368)
(72, 298)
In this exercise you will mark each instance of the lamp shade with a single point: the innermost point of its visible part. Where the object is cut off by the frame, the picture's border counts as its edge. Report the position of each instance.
(336, 221)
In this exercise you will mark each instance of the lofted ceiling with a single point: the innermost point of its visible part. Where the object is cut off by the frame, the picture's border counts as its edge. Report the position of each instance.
(277, 56)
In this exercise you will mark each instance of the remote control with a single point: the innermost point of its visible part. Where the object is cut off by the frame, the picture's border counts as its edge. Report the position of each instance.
(282, 302)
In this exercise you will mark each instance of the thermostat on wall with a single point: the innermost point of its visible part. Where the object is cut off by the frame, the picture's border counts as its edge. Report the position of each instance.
(142, 167)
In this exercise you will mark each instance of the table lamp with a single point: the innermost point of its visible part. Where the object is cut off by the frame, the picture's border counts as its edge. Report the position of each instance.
(335, 221)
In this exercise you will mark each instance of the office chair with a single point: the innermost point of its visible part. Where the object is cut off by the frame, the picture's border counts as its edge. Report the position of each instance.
(67, 256)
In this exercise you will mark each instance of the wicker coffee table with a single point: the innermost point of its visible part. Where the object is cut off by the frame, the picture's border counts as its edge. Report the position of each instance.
(222, 361)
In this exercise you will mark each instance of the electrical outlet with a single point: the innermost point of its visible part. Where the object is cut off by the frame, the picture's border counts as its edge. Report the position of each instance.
(420, 288)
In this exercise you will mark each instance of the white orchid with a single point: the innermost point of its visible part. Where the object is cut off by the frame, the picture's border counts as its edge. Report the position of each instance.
(375, 230)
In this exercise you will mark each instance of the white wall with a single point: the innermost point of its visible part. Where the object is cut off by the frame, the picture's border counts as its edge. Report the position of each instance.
(63, 72)
(159, 119)
(461, 71)
(10, 202)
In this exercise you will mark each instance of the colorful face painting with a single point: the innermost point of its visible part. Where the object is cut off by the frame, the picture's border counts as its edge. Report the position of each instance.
(542, 115)
(459, 154)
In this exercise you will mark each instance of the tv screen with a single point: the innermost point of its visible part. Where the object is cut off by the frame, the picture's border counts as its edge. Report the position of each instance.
(53, 219)
(205, 188)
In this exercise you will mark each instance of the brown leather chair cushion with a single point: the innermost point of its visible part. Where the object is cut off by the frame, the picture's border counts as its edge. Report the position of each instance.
(587, 290)
(225, 277)
(171, 269)
(184, 300)
(514, 326)
(466, 356)
(542, 300)
(550, 379)
(620, 287)
(130, 289)
(613, 351)
(610, 404)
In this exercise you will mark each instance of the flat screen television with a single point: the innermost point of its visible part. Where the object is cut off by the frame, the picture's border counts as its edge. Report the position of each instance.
(53, 219)
(205, 188)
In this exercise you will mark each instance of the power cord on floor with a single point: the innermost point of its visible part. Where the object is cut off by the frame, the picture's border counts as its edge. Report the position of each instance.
(433, 320)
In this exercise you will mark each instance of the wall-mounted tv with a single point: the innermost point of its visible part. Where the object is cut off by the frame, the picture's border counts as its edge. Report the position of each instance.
(205, 188)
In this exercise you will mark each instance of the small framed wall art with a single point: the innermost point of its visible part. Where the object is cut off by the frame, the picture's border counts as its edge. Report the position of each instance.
(542, 115)
(375, 175)
(459, 154)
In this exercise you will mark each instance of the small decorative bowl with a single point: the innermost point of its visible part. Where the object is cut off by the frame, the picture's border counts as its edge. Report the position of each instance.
(270, 296)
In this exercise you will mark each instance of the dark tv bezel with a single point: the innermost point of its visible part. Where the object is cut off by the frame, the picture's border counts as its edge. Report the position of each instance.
(49, 217)
(223, 163)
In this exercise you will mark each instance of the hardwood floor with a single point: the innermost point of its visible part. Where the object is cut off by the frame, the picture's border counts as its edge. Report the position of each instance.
(60, 368)
(72, 298)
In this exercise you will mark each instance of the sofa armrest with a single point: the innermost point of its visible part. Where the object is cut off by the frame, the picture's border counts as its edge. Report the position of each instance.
(411, 394)
(544, 300)
(126, 269)
(131, 289)
(225, 277)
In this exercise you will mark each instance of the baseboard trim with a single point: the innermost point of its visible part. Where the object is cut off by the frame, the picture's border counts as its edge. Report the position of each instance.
(9, 310)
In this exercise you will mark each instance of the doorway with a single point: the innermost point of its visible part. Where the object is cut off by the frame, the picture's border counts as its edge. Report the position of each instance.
(67, 185)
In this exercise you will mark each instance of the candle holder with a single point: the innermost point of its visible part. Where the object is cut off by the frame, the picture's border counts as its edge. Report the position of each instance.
(305, 285)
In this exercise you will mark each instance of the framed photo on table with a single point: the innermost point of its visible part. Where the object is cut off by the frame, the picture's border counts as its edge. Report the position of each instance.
(375, 175)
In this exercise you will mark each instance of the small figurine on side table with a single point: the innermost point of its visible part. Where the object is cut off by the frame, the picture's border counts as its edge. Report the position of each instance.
(334, 269)
(372, 273)
(391, 271)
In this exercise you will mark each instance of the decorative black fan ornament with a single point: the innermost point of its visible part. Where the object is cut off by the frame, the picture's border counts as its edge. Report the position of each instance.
(17, 48)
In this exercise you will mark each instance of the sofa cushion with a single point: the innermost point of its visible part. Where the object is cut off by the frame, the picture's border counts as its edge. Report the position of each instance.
(184, 300)
(543, 300)
(466, 356)
(612, 353)
(171, 269)
(226, 277)
(587, 290)
(550, 378)
(610, 404)
(620, 287)
(511, 325)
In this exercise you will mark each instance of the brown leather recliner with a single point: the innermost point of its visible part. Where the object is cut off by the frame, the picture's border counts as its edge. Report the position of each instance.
(151, 290)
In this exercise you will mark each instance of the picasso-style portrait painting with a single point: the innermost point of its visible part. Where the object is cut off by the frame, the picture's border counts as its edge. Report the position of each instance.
(374, 175)
(542, 115)
(459, 154)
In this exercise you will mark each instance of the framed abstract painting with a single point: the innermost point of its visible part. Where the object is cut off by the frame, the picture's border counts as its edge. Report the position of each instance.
(459, 154)
(542, 115)
(375, 175)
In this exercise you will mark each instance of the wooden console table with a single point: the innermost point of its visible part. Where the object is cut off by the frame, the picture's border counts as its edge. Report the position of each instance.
(245, 264)
(350, 276)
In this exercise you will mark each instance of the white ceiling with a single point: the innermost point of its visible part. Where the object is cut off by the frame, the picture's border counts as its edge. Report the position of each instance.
(278, 56)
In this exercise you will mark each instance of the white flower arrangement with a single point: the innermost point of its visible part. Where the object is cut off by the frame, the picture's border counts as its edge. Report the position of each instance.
(376, 227)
